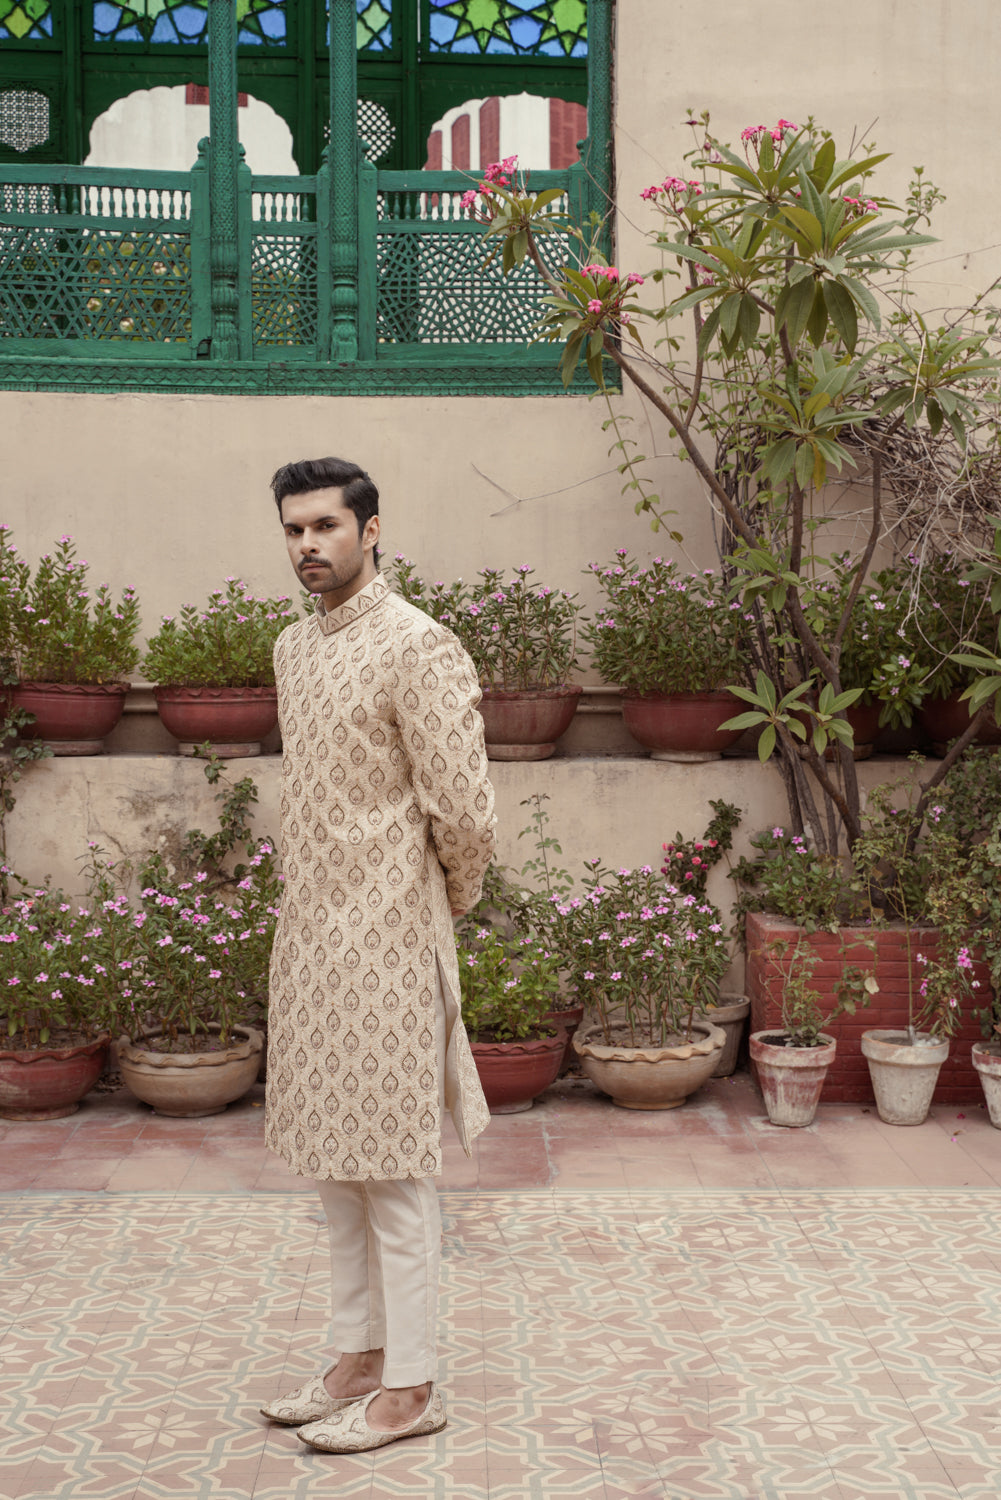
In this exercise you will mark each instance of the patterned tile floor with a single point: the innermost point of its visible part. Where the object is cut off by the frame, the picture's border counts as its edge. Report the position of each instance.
(683, 1306)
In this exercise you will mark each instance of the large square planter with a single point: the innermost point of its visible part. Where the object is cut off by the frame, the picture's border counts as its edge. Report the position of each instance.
(848, 1079)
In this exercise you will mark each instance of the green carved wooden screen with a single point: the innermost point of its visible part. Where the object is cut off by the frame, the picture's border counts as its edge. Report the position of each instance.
(358, 277)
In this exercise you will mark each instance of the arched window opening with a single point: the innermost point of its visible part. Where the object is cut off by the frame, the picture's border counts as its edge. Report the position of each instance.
(160, 128)
(542, 133)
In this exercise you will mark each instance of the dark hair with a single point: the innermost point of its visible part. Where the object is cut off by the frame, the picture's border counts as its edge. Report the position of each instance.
(360, 494)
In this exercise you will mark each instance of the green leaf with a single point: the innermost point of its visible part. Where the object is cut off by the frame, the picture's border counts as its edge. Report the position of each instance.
(807, 225)
(776, 465)
(804, 465)
(816, 325)
(842, 310)
(749, 320)
(766, 744)
(793, 308)
(847, 170)
(863, 298)
(746, 720)
(729, 311)
(823, 164)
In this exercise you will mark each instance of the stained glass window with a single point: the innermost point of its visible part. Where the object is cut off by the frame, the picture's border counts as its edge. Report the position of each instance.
(375, 30)
(185, 21)
(552, 28)
(25, 20)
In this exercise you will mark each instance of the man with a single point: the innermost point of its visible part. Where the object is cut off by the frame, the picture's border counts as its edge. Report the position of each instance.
(387, 829)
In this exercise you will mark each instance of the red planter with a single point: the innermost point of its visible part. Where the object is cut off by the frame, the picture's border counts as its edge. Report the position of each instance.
(945, 719)
(234, 719)
(514, 1073)
(525, 723)
(848, 1080)
(71, 718)
(681, 726)
(49, 1082)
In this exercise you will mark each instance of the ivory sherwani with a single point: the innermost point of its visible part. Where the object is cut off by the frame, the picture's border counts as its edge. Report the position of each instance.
(387, 823)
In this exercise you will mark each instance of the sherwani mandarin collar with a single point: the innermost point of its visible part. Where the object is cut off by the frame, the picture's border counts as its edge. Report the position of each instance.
(370, 597)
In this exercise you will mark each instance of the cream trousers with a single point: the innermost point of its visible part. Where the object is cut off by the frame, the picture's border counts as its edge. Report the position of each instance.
(385, 1253)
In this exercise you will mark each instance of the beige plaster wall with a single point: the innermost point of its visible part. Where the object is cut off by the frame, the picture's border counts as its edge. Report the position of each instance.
(169, 493)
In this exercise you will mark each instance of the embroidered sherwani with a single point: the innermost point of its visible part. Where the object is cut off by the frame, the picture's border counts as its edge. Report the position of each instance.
(387, 823)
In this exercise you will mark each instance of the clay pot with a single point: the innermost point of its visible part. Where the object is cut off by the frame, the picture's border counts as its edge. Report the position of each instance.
(71, 718)
(681, 726)
(791, 1078)
(525, 723)
(650, 1077)
(903, 1074)
(233, 719)
(188, 1085)
(49, 1082)
(987, 1061)
(945, 719)
(730, 1014)
(513, 1074)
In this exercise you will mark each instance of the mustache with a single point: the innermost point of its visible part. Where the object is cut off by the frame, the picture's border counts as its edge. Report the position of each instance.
(312, 562)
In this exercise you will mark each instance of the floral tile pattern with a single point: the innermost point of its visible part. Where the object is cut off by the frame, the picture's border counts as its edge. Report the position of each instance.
(649, 1345)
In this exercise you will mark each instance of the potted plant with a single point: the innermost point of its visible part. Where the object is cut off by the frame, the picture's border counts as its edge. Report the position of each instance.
(644, 957)
(671, 641)
(196, 969)
(57, 1006)
(508, 986)
(521, 637)
(214, 671)
(69, 648)
(792, 1062)
(917, 900)
(687, 863)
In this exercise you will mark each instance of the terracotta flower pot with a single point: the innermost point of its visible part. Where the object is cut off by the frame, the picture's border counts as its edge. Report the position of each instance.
(187, 1085)
(234, 719)
(650, 1077)
(791, 1078)
(730, 1014)
(513, 1074)
(49, 1082)
(71, 718)
(525, 723)
(945, 719)
(903, 1075)
(681, 726)
(987, 1061)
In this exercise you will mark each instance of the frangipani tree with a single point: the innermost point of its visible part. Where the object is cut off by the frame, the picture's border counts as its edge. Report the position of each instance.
(789, 356)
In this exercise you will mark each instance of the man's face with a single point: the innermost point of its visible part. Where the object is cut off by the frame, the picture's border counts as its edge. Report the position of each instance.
(324, 547)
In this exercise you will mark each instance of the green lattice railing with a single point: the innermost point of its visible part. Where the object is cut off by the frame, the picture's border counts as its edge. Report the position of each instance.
(98, 255)
(427, 281)
(94, 258)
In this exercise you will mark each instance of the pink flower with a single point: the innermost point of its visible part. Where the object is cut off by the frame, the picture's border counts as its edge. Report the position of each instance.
(595, 305)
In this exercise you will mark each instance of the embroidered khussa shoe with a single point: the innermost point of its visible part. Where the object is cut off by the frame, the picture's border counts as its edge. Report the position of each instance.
(308, 1403)
(349, 1432)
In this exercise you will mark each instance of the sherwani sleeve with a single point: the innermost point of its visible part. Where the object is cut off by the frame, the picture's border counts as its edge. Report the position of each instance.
(443, 737)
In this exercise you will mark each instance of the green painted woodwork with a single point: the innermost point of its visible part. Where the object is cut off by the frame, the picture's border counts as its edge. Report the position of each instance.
(224, 162)
(361, 276)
